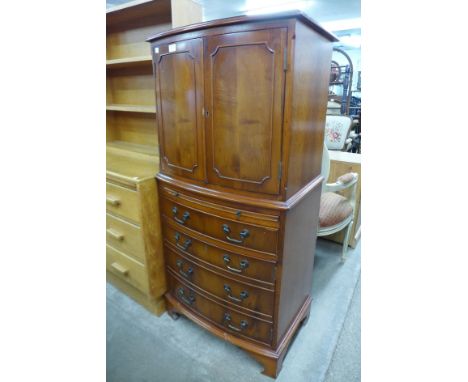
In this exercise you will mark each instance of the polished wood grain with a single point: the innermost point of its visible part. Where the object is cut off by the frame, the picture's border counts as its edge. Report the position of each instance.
(250, 21)
(244, 268)
(244, 82)
(236, 234)
(180, 102)
(257, 300)
(240, 240)
(301, 223)
(311, 60)
(271, 359)
(236, 213)
(255, 329)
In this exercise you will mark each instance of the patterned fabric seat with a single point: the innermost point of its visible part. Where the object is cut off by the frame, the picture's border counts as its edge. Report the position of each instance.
(334, 209)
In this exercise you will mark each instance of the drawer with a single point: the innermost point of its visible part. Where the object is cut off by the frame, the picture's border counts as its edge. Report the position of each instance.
(122, 201)
(244, 268)
(125, 237)
(226, 318)
(235, 233)
(127, 269)
(238, 214)
(246, 296)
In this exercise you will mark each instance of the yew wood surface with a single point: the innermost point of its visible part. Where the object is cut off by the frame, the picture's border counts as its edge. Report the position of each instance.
(179, 79)
(242, 267)
(257, 301)
(244, 82)
(252, 102)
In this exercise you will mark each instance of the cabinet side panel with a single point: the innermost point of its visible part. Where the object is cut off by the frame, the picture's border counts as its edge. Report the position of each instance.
(151, 226)
(311, 73)
(298, 258)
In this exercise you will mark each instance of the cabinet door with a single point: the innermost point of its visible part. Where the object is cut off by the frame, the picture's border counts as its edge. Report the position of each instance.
(244, 84)
(179, 97)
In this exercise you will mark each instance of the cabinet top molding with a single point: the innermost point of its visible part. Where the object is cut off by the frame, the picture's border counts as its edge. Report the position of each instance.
(246, 19)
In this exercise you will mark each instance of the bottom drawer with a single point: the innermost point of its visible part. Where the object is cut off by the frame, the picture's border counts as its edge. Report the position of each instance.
(127, 268)
(228, 319)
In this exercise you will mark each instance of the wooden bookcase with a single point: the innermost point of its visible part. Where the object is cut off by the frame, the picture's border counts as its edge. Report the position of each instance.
(134, 251)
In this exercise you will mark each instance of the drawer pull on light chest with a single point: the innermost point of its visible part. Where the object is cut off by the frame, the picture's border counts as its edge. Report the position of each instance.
(113, 201)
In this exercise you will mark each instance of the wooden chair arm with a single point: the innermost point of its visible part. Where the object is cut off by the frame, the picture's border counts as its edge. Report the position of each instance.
(339, 185)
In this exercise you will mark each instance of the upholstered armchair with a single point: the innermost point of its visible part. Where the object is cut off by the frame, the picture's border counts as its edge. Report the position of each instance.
(336, 211)
(337, 129)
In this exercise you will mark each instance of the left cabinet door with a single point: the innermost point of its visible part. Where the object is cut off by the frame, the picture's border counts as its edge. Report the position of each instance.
(178, 69)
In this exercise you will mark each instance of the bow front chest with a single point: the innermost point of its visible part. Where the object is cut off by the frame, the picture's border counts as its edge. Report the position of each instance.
(241, 106)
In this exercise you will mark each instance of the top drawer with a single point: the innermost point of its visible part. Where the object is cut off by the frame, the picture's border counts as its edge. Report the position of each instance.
(122, 201)
(237, 233)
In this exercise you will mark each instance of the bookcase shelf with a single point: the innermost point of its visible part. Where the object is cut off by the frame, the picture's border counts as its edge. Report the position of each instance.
(132, 108)
(128, 62)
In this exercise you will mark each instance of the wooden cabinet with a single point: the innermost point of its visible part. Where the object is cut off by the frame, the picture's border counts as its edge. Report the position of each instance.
(241, 113)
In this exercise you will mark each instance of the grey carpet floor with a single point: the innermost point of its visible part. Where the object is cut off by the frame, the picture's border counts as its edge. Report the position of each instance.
(145, 348)
(345, 365)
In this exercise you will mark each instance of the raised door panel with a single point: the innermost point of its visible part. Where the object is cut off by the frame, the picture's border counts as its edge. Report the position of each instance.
(244, 82)
(179, 97)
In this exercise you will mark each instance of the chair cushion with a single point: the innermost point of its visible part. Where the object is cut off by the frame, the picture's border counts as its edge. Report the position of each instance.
(334, 209)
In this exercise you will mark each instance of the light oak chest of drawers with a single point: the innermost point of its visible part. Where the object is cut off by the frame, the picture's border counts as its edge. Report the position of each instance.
(133, 240)
(241, 106)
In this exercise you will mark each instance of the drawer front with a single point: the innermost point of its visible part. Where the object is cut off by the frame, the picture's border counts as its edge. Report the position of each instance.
(237, 234)
(238, 214)
(245, 268)
(127, 269)
(122, 201)
(228, 319)
(246, 296)
(125, 237)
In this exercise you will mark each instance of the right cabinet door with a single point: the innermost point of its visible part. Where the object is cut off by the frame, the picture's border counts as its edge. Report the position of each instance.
(244, 84)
